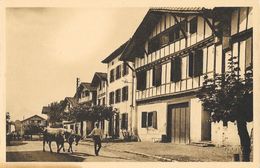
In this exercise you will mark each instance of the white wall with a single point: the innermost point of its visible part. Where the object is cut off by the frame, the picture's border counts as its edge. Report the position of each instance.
(227, 135)
(195, 120)
(146, 134)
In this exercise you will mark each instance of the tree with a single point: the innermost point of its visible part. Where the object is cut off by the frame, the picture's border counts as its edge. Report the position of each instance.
(56, 114)
(229, 97)
(91, 113)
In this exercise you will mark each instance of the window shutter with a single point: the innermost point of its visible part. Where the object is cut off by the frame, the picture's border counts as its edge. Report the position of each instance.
(157, 75)
(155, 119)
(144, 119)
(126, 121)
(150, 119)
(191, 60)
(193, 25)
(126, 93)
(198, 63)
(122, 121)
(141, 80)
(176, 69)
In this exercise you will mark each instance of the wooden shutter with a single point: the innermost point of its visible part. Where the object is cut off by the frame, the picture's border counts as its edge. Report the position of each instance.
(198, 63)
(176, 69)
(141, 80)
(126, 93)
(171, 35)
(155, 119)
(150, 119)
(193, 25)
(144, 119)
(191, 64)
(157, 75)
(126, 120)
(123, 121)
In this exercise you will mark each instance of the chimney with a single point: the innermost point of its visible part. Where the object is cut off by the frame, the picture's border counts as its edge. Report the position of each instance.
(77, 83)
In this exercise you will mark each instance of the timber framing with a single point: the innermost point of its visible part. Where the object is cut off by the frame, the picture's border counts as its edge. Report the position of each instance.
(205, 42)
(177, 21)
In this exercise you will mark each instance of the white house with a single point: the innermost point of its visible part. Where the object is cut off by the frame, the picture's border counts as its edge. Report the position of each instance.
(120, 89)
(171, 50)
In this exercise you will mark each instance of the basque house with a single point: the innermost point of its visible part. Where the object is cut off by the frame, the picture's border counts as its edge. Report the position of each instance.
(99, 81)
(87, 95)
(171, 50)
(120, 97)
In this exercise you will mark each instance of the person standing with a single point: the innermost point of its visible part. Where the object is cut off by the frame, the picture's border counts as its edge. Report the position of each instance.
(96, 134)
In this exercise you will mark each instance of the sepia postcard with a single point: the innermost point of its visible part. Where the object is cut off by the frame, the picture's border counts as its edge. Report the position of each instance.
(135, 84)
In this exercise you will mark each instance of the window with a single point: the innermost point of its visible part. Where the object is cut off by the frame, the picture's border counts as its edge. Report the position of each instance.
(157, 75)
(118, 95)
(196, 63)
(193, 25)
(153, 45)
(125, 93)
(99, 102)
(100, 85)
(149, 119)
(118, 71)
(72, 127)
(86, 93)
(141, 80)
(124, 121)
(112, 78)
(103, 101)
(176, 69)
(125, 69)
(111, 97)
(164, 39)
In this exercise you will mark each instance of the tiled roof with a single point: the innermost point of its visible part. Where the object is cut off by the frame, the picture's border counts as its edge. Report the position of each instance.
(102, 75)
(72, 101)
(32, 117)
(98, 76)
(116, 53)
(88, 86)
(178, 9)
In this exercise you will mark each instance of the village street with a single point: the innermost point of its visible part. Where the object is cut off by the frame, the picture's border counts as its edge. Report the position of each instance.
(118, 152)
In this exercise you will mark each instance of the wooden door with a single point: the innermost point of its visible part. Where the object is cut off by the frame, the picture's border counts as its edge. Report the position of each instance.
(205, 126)
(179, 123)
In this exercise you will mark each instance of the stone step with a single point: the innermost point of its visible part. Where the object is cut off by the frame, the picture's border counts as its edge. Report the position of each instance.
(203, 144)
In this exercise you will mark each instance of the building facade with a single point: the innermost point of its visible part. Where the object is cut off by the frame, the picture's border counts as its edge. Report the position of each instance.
(119, 93)
(172, 50)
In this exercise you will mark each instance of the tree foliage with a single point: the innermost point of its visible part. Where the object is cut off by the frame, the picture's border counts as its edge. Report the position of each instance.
(228, 96)
(56, 113)
(91, 113)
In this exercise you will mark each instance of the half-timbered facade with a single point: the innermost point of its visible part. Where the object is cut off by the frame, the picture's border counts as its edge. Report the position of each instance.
(119, 92)
(171, 50)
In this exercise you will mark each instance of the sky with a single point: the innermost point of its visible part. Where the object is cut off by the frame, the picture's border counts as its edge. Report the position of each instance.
(48, 48)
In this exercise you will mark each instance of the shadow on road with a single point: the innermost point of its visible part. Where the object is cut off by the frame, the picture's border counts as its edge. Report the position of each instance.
(17, 143)
(40, 156)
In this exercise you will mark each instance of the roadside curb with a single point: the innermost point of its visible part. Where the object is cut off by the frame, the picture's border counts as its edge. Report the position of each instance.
(152, 156)
(141, 154)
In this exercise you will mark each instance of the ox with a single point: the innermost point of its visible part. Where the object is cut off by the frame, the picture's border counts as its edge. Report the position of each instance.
(70, 138)
(54, 134)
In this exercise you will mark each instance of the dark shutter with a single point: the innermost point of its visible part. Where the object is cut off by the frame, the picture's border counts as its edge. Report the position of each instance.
(176, 69)
(171, 35)
(144, 119)
(198, 63)
(191, 60)
(126, 93)
(193, 25)
(150, 119)
(155, 120)
(141, 80)
(125, 69)
(111, 75)
(157, 75)
(126, 121)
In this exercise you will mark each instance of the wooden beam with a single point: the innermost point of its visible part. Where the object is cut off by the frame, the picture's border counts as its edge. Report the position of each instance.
(176, 20)
(129, 66)
(211, 26)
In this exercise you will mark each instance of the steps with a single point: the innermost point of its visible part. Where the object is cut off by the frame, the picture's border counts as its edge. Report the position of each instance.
(202, 144)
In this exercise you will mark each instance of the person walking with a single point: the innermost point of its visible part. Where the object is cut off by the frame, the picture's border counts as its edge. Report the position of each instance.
(96, 134)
